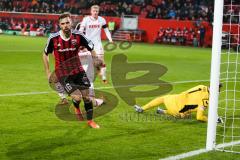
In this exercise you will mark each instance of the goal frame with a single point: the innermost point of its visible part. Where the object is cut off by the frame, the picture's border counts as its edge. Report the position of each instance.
(215, 75)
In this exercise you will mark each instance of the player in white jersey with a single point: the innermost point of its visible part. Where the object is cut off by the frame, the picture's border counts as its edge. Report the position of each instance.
(92, 26)
(88, 66)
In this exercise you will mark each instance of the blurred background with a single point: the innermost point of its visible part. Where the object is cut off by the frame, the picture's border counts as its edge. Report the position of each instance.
(178, 22)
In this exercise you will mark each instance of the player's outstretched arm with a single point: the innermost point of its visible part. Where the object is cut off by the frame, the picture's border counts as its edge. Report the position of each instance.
(108, 34)
(46, 65)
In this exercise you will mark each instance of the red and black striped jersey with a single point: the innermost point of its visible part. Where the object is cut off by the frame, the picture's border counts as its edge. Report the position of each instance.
(65, 52)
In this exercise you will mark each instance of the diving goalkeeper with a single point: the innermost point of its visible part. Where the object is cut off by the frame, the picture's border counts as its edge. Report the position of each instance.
(183, 104)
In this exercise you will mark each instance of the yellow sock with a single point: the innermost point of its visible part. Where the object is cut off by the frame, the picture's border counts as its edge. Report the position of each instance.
(153, 103)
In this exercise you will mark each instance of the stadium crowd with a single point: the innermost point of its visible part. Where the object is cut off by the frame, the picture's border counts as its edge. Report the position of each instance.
(162, 9)
(23, 25)
(196, 10)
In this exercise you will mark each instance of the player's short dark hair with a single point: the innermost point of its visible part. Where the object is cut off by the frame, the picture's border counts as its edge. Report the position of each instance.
(64, 15)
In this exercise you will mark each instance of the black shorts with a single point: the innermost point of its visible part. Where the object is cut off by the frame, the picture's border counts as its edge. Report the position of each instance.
(75, 82)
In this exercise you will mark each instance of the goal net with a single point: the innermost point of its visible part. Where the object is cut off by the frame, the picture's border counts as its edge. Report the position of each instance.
(227, 134)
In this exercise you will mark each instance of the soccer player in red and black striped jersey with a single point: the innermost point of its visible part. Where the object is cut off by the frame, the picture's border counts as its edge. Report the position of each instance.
(65, 46)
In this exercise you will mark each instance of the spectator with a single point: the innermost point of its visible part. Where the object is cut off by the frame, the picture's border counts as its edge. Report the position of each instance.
(174, 37)
(60, 4)
(185, 35)
(49, 27)
(169, 32)
(151, 14)
(172, 14)
(36, 25)
(178, 35)
(202, 35)
(161, 35)
(129, 9)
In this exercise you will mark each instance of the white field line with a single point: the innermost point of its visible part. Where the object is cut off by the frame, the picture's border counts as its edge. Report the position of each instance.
(21, 50)
(98, 88)
(199, 151)
(23, 94)
(185, 155)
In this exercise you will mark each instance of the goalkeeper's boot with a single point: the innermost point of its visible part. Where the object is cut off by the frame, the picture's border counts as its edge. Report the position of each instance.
(160, 111)
(78, 114)
(93, 124)
(138, 109)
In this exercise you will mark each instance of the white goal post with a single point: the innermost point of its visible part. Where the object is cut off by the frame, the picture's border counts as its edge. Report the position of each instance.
(225, 68)
(215, 74)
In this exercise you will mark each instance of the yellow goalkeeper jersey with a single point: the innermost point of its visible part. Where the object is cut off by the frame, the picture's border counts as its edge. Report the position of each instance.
(192, 100)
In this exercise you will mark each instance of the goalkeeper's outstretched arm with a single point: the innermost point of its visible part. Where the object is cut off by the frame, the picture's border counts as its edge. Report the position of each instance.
(200, 114)
(202, 117)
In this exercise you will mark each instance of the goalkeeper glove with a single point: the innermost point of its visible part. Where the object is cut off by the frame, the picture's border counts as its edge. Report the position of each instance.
(220, 120)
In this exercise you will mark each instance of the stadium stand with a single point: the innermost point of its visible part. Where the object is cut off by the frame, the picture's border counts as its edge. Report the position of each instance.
(161, 9)
(193, 11)
(23, 25)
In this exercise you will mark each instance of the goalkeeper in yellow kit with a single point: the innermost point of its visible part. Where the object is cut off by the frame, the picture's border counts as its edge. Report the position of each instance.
(183, 104)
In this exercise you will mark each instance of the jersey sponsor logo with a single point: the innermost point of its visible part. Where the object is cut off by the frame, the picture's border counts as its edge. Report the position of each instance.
(94, 26)
(66, 49)
(74, 42)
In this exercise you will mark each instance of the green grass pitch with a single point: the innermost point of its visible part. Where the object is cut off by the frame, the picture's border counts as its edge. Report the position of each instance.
(29, 128)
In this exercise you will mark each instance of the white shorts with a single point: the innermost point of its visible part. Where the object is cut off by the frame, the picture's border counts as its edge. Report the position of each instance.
(99, 50)
(87, 63)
